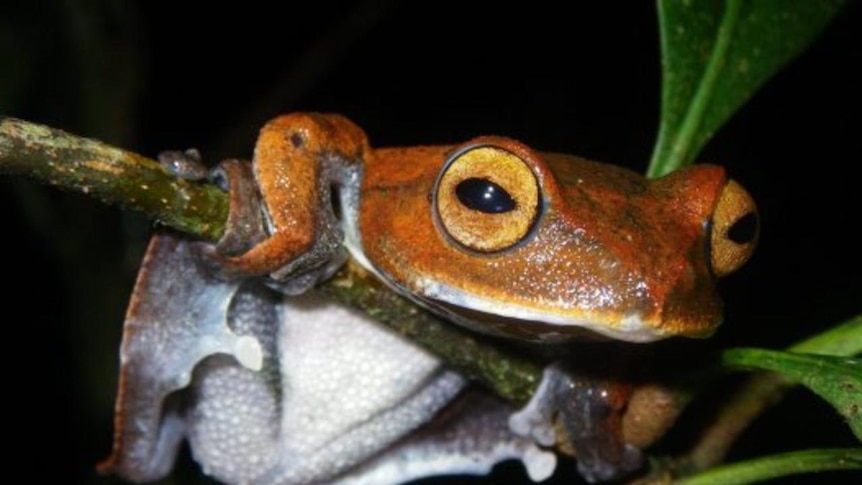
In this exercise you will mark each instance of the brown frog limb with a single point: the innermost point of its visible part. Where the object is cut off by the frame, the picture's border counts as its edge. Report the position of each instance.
(298, 159)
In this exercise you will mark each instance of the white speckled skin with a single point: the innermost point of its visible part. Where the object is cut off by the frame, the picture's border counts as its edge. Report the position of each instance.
(348, 390)
(338, 399)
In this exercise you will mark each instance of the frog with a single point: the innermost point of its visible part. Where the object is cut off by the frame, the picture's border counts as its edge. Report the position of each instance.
(229, 347)
(549, 245)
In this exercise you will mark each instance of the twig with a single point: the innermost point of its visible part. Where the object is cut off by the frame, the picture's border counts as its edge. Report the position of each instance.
(134, 182)
(758, 393)
(112, 175)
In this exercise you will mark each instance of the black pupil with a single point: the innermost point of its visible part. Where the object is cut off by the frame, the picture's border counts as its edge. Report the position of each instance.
(743, 230)
(484, 196)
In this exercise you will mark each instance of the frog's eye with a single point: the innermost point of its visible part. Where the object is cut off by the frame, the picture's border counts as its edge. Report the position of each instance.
(486, 198)
(735, 229)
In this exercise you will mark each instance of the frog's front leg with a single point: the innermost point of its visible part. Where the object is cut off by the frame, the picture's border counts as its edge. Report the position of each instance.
(583, 416)
(298, 159)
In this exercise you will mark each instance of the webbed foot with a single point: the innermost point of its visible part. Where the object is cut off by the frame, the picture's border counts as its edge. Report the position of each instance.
(581, 415)
(244, 225)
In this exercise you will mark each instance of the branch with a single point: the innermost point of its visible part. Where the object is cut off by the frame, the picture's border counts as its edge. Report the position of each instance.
(112, 175)
(134, 182)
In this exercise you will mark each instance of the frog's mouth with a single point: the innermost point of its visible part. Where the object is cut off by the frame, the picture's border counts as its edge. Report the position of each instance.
(506, 319)
(505, 326)
(510, 320)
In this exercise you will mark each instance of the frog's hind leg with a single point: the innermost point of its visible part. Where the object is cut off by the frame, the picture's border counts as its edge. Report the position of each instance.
(468, 438)
(177, 317)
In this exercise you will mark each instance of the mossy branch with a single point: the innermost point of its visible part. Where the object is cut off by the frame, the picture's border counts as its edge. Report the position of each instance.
(112, 175)
(134, 182)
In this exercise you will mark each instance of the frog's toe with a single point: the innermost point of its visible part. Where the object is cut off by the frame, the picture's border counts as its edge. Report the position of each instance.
(184, 164)
(536, 419)
(244, 226)
(598, 469)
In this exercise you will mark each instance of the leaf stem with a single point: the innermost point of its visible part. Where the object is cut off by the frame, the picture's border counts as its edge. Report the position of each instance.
(681, 150)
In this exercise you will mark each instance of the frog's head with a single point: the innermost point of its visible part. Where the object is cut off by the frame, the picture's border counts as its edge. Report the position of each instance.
(549, 247)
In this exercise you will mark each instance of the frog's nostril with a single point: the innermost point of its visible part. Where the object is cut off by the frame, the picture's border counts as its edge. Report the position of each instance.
(297, 140)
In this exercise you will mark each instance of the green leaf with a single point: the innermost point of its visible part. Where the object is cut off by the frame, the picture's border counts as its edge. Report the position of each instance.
(715, 55)
(777, 466)
(836, 379)
(843, 339)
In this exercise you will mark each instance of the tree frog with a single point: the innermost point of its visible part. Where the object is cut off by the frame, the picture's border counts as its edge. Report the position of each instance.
(500, 238)
(287, 387)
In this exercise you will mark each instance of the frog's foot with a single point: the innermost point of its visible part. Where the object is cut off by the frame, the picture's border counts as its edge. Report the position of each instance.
(245, 228)
(581, 415)
(244, 225)
(469, 438)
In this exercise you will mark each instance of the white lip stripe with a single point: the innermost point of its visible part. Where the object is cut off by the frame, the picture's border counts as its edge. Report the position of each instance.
(632, 328)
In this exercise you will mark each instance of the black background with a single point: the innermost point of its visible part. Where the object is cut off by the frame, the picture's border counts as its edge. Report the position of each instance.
(583, 79)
